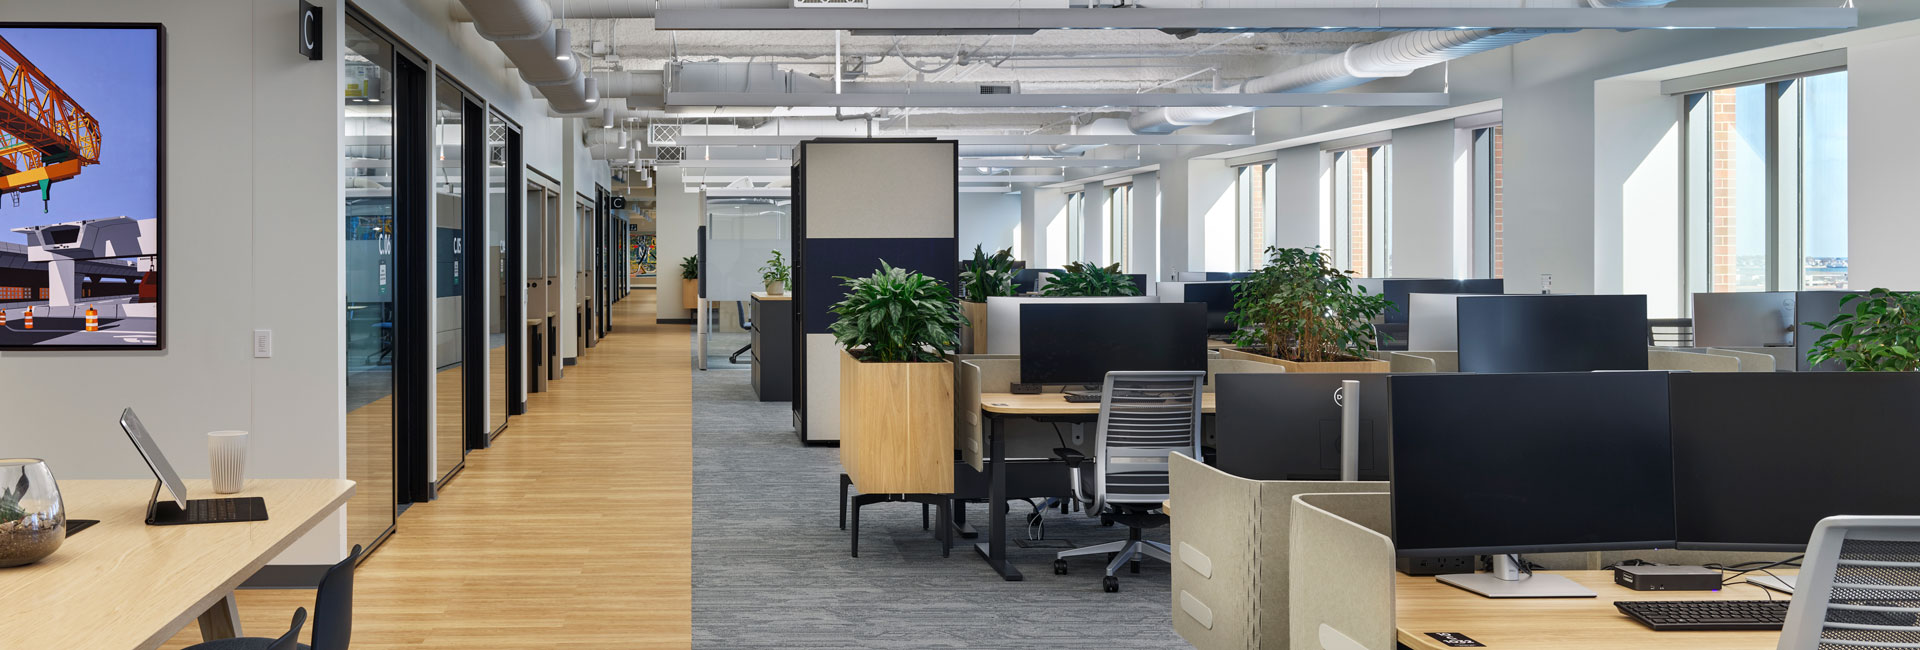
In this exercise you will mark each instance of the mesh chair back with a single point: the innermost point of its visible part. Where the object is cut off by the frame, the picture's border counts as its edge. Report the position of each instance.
(1670, 332)
(1859, 586)
(1143, 417)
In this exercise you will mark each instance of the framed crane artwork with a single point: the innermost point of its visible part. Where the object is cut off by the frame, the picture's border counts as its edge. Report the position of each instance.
(82, 186)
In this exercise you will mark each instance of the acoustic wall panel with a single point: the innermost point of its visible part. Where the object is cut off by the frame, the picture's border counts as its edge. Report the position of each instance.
(857, 202)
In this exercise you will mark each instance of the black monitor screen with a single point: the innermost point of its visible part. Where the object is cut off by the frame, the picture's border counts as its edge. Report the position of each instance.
(1078, 343)
(1531, 463)
(1218, 297)
(1285, 426)
(1760, 458)
(1397, 290)
(1548, 333)
(1026, 280)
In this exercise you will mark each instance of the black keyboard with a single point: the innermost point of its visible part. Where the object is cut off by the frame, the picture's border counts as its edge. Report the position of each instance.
(1082, 398)
(1707, 614)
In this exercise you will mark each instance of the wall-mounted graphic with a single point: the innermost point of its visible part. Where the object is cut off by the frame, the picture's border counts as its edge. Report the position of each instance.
(80, 186)
(644, 258)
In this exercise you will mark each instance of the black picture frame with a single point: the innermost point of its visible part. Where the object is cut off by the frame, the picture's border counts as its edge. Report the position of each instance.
(160, 129)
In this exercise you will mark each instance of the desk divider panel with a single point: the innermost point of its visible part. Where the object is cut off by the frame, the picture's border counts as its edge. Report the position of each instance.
(857, 202)
(1343, 572)
(1749, 361)
(1231, 548)
(1664, 359)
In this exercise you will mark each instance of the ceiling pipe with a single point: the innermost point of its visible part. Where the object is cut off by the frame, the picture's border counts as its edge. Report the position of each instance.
(523, 30)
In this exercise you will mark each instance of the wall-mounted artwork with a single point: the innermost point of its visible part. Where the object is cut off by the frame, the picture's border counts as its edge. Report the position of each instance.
(81, 186)
(643, 256)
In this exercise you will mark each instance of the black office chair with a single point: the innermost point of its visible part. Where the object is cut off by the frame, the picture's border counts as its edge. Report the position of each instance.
(1144, 416)
(1670, 332)
(332, 616)
(745, 325)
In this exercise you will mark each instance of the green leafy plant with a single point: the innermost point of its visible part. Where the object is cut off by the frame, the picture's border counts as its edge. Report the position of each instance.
(10, 509)
(690, 267)
(1300, 307)
(776, 270)
(896, 316)
(987, 276)
(1882, 333)
(1081, 279)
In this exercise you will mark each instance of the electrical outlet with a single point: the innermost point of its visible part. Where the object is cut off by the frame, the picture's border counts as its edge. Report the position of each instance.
(262, 344)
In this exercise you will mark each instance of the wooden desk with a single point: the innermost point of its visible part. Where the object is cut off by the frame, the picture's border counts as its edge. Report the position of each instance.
(123, 584)
(1423, 605)
(995, 409)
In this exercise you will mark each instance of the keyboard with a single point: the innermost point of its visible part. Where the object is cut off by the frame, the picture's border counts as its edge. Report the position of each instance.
(1082, 398)
(209, 511)
(1707, 614)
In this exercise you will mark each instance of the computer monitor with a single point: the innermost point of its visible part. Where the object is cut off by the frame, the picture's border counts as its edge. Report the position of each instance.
(1028, 280)
(1759, 458)
(1285, 426)
(1552, 333)
(1139, 282)
(1218, 297)
(1397, 289)
(156, 461)
(1078, 344)
(1817, 307)
(1190, 276)
(1530, 463)
(1744, 319)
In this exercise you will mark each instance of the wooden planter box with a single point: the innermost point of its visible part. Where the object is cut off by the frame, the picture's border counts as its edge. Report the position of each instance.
(973, 337)
(689, 294)
(1357, 365)
(896, 426)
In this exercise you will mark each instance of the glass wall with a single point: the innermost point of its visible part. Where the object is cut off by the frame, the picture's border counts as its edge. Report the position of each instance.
(500, 283)
(1076, 227)
(1361, 211)
(449, 302)
(1767, 185)
(1489, 201)
(1119, 225)
(368, 132)
(1251, 183)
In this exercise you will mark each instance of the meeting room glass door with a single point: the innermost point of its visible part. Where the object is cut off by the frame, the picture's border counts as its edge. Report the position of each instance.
(449, 284)
(503, 284)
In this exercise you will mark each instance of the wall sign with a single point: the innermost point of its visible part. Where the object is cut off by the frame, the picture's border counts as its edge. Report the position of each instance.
(310, 33)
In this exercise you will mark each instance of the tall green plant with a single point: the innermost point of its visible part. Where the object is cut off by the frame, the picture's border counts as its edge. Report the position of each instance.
(1882, 333)
(690, 267)
(1081, 279)
(1300, 307)
(987, 276)
(895, 316)
(776, 270)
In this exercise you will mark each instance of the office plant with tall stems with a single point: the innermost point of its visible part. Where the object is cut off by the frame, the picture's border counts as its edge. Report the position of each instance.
(896, 385)
(1882, 334)
(1301, 309)
(985, 276)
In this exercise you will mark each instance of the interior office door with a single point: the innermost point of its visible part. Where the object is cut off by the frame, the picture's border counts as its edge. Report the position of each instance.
(371, 131)
(551, 280)
(533, 317)
(449, 300)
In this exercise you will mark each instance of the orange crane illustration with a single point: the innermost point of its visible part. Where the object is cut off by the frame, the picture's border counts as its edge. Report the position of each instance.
(45, 136)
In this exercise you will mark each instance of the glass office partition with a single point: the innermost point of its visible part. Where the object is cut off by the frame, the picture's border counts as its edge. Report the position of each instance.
(449, 302)
(500, 284)
(742, 233)
(368, 134)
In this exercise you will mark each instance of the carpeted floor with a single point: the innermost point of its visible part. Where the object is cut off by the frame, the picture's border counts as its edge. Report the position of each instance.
(771, 570)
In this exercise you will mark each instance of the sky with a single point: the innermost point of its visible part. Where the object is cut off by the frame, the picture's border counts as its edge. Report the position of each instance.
(110, 73)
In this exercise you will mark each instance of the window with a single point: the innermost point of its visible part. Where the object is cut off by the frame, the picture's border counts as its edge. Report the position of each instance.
(1360, 211)
(1076, 226)
(1489, 205)
(1119, 222)
(1766, 168)
(1251, 185)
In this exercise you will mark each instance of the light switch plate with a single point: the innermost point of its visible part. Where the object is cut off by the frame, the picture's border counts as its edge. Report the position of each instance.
(262, 344)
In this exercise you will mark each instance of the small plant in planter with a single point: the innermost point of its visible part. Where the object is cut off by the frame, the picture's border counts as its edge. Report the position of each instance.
(690, 267)
(776, 274)
(896, 387)
(1081, 279)
(983, 277)
(1882, 333)
(1300, 308)
(690, 282)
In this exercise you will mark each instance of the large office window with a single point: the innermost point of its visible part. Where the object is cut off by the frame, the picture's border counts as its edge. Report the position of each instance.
(1119, 210)
(1361, 210)
(1251, 184)
(1766, 185)
(1076, 227)
(1489, 202)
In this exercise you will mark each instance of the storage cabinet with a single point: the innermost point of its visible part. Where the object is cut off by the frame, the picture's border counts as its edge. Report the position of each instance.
(772, 331)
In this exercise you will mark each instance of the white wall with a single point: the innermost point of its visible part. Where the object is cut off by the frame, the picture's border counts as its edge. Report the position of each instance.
(1882, 227)
(1422, 231)
(677, 228)
(991, 220)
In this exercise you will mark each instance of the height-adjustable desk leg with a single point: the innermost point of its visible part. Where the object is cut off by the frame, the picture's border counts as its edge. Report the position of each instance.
(995, 548)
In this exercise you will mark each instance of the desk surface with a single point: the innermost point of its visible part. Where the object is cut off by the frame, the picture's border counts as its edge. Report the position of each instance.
(1425, 605)
(1052, 404)
(762, 295)
(124, 584)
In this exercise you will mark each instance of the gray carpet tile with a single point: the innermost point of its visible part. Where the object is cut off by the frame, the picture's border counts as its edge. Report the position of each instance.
(771, 569)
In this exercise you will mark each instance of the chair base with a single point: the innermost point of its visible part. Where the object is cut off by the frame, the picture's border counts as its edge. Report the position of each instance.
(1123, 553)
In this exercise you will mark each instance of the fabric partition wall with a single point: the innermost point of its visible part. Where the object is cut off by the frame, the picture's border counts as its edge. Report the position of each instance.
(857, 202)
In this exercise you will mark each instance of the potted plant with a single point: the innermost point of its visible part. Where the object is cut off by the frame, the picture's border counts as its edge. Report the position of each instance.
(1301, 312)
(690, 282)
(896, 386)
(776, 274)
(1882, 333)
(981, 278)
(1081, 279)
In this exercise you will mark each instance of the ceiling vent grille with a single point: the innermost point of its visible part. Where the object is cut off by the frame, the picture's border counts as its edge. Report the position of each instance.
(995, 90)
(663, 134)
(669, 155)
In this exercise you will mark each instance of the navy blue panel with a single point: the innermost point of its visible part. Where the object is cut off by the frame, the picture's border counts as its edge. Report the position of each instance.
(448, 263)
(826, 260)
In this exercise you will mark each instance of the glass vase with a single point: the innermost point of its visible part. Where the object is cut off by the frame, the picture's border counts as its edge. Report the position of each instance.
(33, 521)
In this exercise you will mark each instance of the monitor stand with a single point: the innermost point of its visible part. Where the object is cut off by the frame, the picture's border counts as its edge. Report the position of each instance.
(1782, 584)
(1508, 581)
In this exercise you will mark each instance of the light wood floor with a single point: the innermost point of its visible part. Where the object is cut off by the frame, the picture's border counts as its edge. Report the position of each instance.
(572, 531)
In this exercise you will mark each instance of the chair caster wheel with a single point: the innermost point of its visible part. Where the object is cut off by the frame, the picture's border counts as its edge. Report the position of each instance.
(1110, 585)
(1059, 567)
